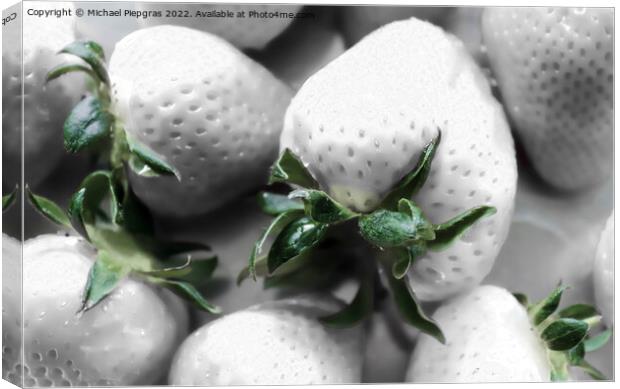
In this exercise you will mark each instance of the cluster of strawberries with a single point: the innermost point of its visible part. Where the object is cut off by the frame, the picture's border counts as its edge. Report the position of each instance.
(385, 135)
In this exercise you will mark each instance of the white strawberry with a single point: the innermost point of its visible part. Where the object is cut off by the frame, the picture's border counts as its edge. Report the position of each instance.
(358, 21)
(45, 105)
(275, 343)
(127, 339)
(249, 31)
(604, 273)
(207, 109)
(554, 67)
(11, 306)
(493, 338)
(360, 124)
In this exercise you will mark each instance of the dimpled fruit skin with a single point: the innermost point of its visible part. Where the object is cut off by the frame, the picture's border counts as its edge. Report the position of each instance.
(604, 273)
(245, 33)
(274, 343)
(11, 300)
(361, 122)
(209, 110)
(125, 340)
(554, 69)
(45, 105)
(489, 339)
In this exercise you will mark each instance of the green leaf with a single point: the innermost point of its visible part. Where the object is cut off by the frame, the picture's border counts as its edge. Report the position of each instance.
(275, 204)
(48, 208)
(410, 309)
(148, 163)
(87, 125)
(310, 270)
(296, 237)
(359, 309)
(579, 312)
(122, 245)
(424, 228)
(289, 168)
(322, 208)
(564, 334)
(196, 272)
(543, 309)
(412, 182)
(448, 232)
(576, 354)
(402, 263)
(596, 342)
(104, 276)
(91, 53)
(522, 299)
(385, 228)
(63, 69)
(592, 371)
(190, 293)
(275, 227)
(9, 200)
(76, 204)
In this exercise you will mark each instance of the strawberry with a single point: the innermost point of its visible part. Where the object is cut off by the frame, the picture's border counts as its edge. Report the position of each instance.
(248, 31)
(604, 272)
(493, 338)
(215, 117)
(11, 308)
(123, 341)
(554, 70)
(45, 105)
(275, 343)
(552, 238)
(358, 21)
(388, 144)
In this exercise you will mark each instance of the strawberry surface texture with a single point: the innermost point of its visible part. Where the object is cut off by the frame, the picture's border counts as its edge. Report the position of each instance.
(554, 70)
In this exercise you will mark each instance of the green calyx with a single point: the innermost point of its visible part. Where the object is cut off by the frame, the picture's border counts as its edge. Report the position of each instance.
(566, 333)
(398, 229)
(9, 199)
(91, 125)
(107, 214)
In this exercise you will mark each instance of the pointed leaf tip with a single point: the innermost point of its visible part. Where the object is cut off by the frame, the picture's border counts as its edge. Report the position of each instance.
(48, 209)
(290, 169)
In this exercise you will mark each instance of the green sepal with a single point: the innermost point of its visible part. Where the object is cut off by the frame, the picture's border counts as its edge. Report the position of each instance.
(308, 271)
(412, 182)
(275, 227)
(295, 238)
(9, 200)
(146, 162)
(76, 204)
(448, 232)
(407, 303)
(91, 53)
(564, 334)
(63, 69)
(522, 299)
(104, 276)
(385, 229)
(579, 312)
(424, 228)
(592, 371)
(188, 292)
(357, 310)
(576, 354)
(596, 342)
(275, 204)
(48, 208)
(322, 208)
(402, 262)
(289, 169)
(87, 125)
(546, 307)
(194, 271)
